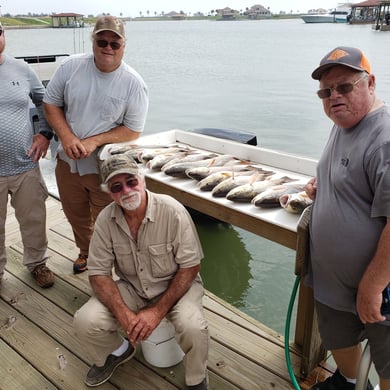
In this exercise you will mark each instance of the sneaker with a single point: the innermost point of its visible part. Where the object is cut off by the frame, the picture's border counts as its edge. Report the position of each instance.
(43, 276)
(201, 386)
(337, 382)
(98, 375)
(80, 264)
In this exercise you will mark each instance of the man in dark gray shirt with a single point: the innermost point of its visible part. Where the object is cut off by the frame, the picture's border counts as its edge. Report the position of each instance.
(350, 229)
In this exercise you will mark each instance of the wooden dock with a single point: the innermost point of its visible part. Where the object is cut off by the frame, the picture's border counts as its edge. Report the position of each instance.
(38, 349)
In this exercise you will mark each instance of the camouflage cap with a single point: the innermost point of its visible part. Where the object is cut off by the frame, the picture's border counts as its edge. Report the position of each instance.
(109, 23)
(117, 164)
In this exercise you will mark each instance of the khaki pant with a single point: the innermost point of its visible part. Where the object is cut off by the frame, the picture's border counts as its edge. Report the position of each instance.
(98, 329)
(82, 200)
(28, 195)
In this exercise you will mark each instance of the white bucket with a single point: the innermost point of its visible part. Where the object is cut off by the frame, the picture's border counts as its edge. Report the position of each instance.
(161, 348)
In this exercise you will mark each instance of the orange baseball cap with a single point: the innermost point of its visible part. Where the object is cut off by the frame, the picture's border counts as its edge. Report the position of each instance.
(350, 57)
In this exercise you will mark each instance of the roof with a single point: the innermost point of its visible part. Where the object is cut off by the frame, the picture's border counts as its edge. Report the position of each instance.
(367, 3)
(258, 7)
(64, 14)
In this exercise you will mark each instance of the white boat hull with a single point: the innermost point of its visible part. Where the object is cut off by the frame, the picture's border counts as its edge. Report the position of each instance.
(334, 17)
(319, 18)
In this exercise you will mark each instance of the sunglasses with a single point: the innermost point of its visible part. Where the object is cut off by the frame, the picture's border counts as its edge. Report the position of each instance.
(1, 32)
(113, 44)
(341, 89)
(118, 187)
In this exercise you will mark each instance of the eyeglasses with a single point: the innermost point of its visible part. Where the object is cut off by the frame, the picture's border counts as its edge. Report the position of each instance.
(113, 44)
(118, 187)
(341, 89)
(1, 32)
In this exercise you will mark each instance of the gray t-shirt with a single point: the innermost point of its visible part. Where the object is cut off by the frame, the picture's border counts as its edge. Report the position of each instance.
(95, 102)
(350, 209)
(20, 89)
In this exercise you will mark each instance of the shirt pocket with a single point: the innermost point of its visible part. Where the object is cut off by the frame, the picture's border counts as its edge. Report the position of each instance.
(125, 259)
(162, 260)
(113, 110)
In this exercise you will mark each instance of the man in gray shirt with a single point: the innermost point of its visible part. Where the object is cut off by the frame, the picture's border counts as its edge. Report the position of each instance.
(350, 221)
(92, 100)
(20, 150)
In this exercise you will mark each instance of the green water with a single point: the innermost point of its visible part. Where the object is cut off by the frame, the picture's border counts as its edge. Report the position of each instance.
(249, 272)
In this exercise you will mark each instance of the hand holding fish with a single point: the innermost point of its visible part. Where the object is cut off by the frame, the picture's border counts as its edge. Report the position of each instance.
(311, 188)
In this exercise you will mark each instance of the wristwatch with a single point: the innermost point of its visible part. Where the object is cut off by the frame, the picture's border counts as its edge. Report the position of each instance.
(47, 134)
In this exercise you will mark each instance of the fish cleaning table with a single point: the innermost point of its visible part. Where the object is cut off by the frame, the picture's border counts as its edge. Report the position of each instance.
(275, 224)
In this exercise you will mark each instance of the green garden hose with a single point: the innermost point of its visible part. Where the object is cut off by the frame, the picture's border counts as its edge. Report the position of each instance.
(365, 362)
(287, 334)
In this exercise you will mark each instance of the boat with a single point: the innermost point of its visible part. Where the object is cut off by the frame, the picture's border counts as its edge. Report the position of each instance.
(319, 18)
(337, 15)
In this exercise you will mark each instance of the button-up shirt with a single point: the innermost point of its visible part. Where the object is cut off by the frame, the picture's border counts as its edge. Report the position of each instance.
(167, 240)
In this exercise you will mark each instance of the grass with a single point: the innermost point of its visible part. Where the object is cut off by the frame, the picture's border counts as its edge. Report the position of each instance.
(45, 21)
(25, 21)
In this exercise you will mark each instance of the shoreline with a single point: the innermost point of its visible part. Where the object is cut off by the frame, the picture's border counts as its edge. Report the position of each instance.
(25, 27)
(43, 23)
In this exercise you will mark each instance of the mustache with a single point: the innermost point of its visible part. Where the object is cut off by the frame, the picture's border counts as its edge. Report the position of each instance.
(129, 195)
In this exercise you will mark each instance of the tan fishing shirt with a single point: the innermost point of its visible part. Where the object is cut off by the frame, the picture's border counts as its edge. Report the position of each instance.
(167, 240)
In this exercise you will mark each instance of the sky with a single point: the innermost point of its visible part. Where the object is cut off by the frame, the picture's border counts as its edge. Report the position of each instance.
(133, 8)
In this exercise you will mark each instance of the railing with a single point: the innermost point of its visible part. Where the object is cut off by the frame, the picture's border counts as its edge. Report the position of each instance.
(41, 59)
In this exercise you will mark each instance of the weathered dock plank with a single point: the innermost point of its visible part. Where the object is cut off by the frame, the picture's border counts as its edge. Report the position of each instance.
(17, 373)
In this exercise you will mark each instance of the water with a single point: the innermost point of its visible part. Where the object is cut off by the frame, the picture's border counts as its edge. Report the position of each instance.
(244, 75)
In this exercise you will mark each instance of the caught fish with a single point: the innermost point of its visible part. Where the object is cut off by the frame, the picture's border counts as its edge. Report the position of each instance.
(123, 147)
(295, 203)
(270, 197)
(179, 169)
(199, 173)
(162, 159)
(223, 188)
(197, 156)
(146, 155)
(209, 182)
(129, 149)
(247, 192)
(134, 150)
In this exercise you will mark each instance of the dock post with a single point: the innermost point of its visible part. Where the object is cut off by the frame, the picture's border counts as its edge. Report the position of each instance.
(307, 335)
